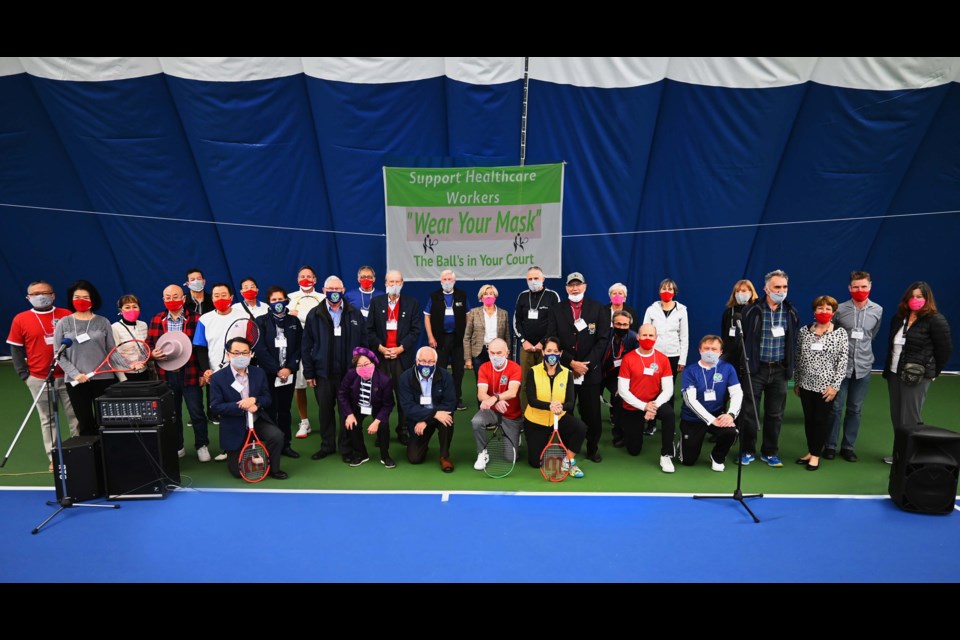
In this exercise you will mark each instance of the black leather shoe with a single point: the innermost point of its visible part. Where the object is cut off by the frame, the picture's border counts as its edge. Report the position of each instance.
(290, 453)
(320, 455)
(829, 454)
(595, 457)
(803, 460)
(403, 438)
(618, 444)
(849, 455)
(279, 475)
(810, 467)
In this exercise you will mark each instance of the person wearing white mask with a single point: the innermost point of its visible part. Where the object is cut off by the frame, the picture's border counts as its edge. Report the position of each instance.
(445, 319)
(712, 398)
(530, 322)
(31, 347)
(498, 385)
(199, 302)
(743, 294)
(301, 303)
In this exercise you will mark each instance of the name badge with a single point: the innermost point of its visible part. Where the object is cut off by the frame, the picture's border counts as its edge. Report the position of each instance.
(426, 400)
(816, 346)
(336, 331)
(710, 395)
(578, 380)
(617, 362)
(899, 339)
(280, 342)
(48, 339)
(733, 332)
(580, 324)
(365, 312)
(83, 337)
(448, 312)
(366, 410)
(237, 386)
(391, 325)
(649, 371)
(857, 334)
(533, 314)
(778, 332)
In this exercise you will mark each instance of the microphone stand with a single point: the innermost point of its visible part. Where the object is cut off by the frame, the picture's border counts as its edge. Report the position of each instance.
(738, 493)
(65, 502)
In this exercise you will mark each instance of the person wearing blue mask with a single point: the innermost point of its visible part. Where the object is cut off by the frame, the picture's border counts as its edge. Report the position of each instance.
(770, 340)
(334, 328)
(429, 398)
(278, 354)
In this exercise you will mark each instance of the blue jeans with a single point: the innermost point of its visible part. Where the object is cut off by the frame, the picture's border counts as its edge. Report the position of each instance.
(193, 395)
(851, 394)
(769, 387)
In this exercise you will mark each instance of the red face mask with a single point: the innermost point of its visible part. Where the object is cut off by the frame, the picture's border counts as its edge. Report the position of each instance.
(249, 294)
(222, 304)
(646, 344)
(823, 317)
(860, 295)
(306, 283)
(666, 296)
(173, 305)
(82, 305)
(366, 283)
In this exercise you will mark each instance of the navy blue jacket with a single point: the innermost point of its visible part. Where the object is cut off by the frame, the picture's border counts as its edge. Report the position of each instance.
(268, 354)
(442, 391)
(224, 399)
(318, 356)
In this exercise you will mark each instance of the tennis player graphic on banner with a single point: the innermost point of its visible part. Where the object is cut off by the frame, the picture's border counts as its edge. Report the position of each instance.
(483, 222)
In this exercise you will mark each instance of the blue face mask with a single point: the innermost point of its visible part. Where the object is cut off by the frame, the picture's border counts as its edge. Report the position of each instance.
(279, 307)
(426, 370)
(552, 359)
(334, 297)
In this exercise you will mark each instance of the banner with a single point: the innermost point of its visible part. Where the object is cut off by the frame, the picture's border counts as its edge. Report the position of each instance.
(485, 223)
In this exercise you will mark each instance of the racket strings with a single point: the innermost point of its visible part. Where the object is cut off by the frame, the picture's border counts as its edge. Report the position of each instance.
(254, 462)
(501, 453)
(130, 355)
(551, 465)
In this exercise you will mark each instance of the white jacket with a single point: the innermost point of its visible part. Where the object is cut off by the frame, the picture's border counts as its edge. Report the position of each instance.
(673, 331)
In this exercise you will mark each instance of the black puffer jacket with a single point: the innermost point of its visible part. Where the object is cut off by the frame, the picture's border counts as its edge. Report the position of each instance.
(928, 343)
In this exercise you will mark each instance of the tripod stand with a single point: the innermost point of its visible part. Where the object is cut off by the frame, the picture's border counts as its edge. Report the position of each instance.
(65, 502)
(738, 492)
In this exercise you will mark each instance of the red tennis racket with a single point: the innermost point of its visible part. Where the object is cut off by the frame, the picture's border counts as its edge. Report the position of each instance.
(554, 455)
(254, 459)
(127, 356)
(240, 328)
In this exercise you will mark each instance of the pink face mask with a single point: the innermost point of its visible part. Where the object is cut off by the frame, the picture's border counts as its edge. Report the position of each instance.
(618, 298)
(131, 315)
(489, 301)
(365, 371)
(914, 303)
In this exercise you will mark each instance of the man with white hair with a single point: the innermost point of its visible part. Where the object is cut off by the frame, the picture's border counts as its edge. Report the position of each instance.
(428, 400)
(445, 319)
(498, 388)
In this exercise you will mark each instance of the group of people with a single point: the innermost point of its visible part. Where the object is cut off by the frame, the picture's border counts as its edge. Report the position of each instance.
(357, 350)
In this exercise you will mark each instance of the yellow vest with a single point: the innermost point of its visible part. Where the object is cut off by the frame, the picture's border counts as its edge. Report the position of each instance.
(546, 394)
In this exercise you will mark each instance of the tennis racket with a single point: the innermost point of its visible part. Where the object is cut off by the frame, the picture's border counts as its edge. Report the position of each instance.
(127, 356)
(501, 451)
(240, 328)
(553, 457)
(254, 459)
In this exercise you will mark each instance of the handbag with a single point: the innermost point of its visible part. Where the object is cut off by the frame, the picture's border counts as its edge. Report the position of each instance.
(911, 373)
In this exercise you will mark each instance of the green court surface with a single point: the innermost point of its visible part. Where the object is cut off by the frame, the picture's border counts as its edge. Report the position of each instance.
(619, 472)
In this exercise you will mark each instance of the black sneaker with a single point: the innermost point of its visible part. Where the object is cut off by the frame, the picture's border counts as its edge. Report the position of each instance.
(403, 438)
(650, 429)
(357, 461)
(829, 454)
(213, 418)
(461, 406)
(388, 462)
(618, 443)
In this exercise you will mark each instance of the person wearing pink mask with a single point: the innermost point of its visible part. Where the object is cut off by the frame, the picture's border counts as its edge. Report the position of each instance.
(919, 347)
(673, 331)
(185, 381)
(618, 302)
(130, 327)
(484, 325)
(92, 340)
(820, 368)
(250, 305)
(366, 391)
(861, 317)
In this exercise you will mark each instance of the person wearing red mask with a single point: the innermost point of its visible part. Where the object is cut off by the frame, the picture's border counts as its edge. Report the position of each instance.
(185, 381)
(362, 297)
(302, 301)
(860, 316)
(130, 327)
(250, 304)
(366, 391)
(92, 340)
(673, 331)
(919, 335)
(820, 369)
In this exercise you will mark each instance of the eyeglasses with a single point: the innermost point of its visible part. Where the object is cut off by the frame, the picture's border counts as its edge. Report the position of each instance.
(239, 353)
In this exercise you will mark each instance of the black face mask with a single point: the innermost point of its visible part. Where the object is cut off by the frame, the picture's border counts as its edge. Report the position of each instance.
(620, 333)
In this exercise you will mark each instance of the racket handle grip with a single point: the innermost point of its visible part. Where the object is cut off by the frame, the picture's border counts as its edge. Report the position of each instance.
(74, 383)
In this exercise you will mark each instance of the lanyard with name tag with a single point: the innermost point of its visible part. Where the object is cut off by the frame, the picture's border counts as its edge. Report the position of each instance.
(391, 325)
(778, 331)
(617, 362)
(336, 331)
(857, 334)
(365, 312)
(280, 341)
(533, 314)
(426, 400)
(710, 395)
(816, 346)
(48, 339)
(237, 387)
(733, 332)
(366, 409)
(580, 324)
(83, 337)
(448, 312)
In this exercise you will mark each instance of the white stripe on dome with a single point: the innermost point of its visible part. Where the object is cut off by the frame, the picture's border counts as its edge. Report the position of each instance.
(741, 73)
(484, 70)
(609, 73)
(373, 70)
(886, 74)
(231, 69)
(91, 69)
(10, 66)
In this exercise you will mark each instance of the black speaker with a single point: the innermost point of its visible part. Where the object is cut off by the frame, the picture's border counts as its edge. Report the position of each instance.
(926, 466)
(139, 462)
(82, 468)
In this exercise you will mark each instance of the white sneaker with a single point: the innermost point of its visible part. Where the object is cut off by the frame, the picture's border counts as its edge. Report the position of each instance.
(221, 456)
(666, 464)
(482, 459)
(714, 465)
(304, 430)
(203, 454)
(182, 453)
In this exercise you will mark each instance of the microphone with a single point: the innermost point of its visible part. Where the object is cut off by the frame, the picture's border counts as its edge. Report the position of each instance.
(63, 347)
(736, 318)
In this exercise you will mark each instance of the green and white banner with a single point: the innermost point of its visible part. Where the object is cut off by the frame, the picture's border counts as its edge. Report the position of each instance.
(485, 223)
